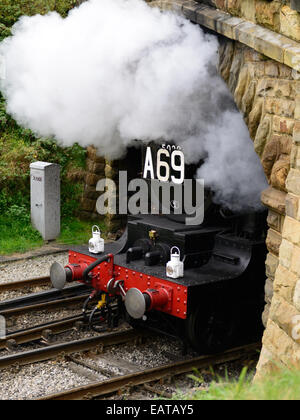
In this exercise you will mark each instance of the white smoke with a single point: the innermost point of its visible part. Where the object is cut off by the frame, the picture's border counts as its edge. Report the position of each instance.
(118, 70)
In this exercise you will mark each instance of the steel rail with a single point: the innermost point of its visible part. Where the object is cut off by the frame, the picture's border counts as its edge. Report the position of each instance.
(44, 300)
(52, 351)
(99, 389)
(53, 304)
(37, 333)
(23, 284)
(44, 296)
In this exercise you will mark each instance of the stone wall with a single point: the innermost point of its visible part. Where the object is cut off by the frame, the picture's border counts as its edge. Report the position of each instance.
(279, 16)
(267, 94)
(97, 168)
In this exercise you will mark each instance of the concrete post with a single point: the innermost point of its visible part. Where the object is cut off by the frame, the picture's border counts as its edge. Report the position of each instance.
(45, 199)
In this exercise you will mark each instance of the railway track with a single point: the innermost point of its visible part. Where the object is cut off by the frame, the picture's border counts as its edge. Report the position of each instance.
(24, 284)
(39, 332)
(62, 349)
(74, 294)
(133, 375)
(44, 300)
(148, 376)
(131, 378)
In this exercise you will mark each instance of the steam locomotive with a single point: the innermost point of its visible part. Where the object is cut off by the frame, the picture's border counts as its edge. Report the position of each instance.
(202, 283)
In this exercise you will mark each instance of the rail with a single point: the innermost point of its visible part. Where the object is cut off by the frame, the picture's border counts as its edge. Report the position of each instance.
(44, 300)
(23, 284)
(39, 332)
(53, 351)
(100, 389)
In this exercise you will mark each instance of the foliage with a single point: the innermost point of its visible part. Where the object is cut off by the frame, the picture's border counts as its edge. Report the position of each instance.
(18, 148)
(3, 116)
(283, 384)
(17, 235)
(77, 232)
(4, 31)
(12, 10)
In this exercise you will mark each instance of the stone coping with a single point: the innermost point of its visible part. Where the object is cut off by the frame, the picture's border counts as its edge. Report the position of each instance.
(271, 44)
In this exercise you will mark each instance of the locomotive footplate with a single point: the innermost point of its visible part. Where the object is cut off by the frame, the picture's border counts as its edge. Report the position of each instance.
(232, 259)
(213, 306)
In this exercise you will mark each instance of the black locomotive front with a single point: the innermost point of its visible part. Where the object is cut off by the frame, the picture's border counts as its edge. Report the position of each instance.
(217, 301)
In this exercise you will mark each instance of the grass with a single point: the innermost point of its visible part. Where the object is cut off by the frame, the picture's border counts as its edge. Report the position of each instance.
(18, 236)
(76, 232)
(283, 384)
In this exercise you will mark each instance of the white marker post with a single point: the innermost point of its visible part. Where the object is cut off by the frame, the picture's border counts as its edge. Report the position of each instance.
(2, 328)
(45, 199)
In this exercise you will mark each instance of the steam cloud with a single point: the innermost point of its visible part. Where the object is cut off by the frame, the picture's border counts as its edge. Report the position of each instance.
(117, 70)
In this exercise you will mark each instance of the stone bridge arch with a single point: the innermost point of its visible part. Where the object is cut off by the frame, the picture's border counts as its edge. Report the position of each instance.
(260, 62)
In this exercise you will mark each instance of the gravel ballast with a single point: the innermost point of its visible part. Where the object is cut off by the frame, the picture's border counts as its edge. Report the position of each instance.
(37, 380)
(27, 269)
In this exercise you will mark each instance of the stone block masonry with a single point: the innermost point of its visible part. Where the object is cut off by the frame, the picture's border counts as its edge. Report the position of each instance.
(229, 21)
(97, 169)
(279, 16)
(265, 92)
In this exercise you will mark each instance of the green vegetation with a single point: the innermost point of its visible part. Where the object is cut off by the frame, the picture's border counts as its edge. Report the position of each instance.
(17, 235)
(280, 385)
(12, 10)
(77, 232)
(20, 147)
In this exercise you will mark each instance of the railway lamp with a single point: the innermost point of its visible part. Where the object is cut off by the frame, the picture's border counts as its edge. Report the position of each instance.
(175, 266)
(96, 243)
